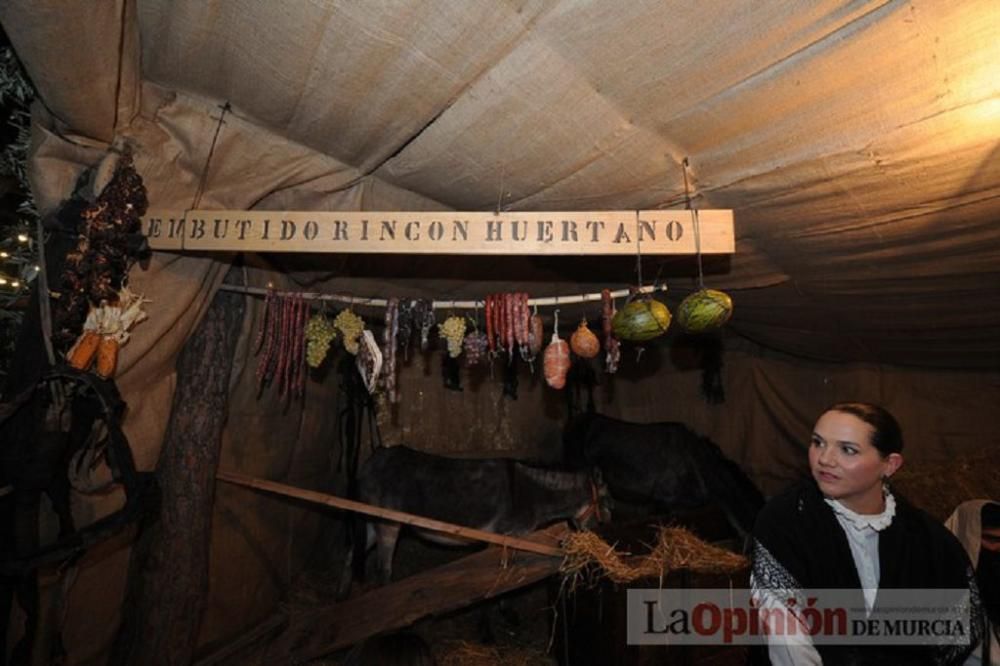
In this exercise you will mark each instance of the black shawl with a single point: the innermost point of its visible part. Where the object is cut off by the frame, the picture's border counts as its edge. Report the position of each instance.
(799, 544)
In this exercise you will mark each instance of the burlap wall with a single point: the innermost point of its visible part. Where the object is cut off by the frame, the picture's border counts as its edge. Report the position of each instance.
(260, 543)
(864, 230)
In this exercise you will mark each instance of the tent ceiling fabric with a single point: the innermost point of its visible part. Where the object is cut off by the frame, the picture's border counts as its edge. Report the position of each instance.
(858, 142)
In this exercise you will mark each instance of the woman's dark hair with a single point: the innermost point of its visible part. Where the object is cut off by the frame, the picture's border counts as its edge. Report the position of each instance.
(887, 436)
(990, 515)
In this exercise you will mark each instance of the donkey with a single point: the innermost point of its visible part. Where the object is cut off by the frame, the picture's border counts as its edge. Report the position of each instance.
(495, 494)
(664, 464)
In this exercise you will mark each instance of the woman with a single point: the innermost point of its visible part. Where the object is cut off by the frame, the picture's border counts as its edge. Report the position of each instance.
(843, 529)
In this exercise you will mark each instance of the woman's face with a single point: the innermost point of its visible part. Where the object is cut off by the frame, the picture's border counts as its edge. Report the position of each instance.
(846, 466)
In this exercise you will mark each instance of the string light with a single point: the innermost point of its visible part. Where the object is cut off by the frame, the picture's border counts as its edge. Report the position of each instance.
(3, 281)
(4, 255)
(22, 237)
(15, 284)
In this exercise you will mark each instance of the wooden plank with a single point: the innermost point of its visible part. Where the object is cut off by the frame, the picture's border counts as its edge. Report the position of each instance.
(483, 575)
(653, 232)
(389, 514)
(244, 642)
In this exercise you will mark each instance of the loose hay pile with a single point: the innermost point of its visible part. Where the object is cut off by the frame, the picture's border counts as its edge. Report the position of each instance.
(589, 558)
(464, 653)
(938, 486)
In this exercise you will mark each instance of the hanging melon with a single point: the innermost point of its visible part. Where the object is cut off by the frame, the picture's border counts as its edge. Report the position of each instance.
(641, 320)
(704, 310)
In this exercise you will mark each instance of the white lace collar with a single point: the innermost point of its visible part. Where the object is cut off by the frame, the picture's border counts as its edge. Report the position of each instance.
(877, 522)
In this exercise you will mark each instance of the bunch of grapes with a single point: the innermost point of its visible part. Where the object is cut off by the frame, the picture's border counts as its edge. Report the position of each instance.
(475, 348)
(319, 334)
(453, 330)
(350, 326)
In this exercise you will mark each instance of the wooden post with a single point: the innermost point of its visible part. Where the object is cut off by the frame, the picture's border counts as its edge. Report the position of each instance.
(168, 571)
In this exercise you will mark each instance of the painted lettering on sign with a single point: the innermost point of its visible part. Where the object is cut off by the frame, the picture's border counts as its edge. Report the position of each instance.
(554, 233)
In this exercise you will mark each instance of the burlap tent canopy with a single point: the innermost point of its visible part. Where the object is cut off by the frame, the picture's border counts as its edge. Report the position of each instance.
(857, 144)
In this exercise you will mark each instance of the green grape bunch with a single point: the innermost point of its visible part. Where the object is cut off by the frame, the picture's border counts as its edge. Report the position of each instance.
(320, 332)
(453, 330)
(350, 326)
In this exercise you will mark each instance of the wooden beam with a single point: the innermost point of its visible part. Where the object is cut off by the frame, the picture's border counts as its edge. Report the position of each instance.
(653, 232)
(484, 575)
(242, 643)
(389, 514)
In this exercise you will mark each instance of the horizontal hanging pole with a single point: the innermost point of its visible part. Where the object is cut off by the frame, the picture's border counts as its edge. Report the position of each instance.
(544, 301)
(650, 232)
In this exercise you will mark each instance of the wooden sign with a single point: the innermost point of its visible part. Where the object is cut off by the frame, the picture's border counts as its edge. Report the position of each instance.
(511, 233)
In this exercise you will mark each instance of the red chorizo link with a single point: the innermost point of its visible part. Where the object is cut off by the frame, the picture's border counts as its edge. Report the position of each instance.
(286, 330)
(264, 365)
(508, 321)
(520, 329)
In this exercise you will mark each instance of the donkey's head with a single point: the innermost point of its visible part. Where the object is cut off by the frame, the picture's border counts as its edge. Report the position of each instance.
(598, 505)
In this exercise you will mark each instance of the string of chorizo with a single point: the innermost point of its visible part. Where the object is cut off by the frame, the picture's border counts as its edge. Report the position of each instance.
(300, 354)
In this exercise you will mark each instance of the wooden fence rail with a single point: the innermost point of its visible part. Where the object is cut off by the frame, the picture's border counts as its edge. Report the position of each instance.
(389, 514)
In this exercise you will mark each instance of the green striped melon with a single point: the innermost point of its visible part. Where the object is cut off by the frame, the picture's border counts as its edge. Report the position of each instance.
(641, 320)
(704, 310)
